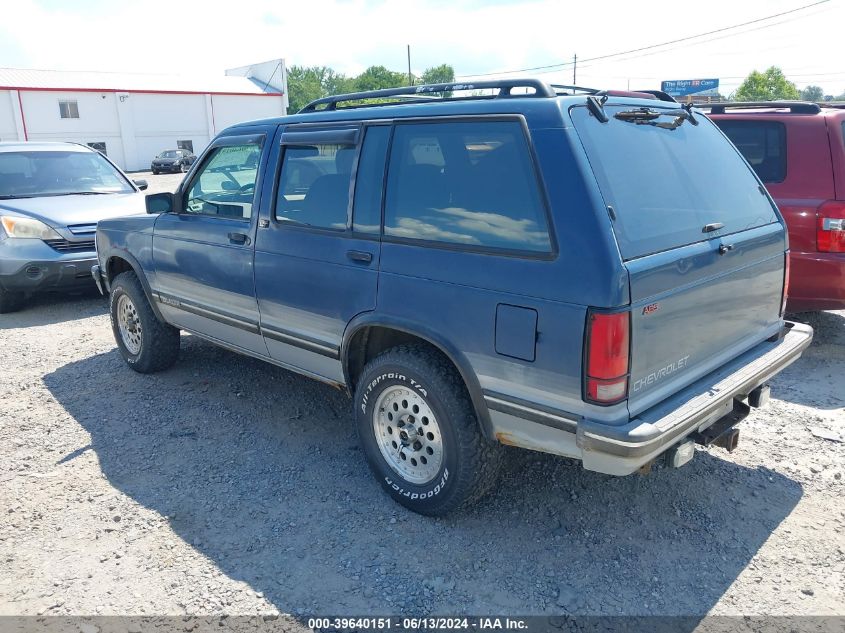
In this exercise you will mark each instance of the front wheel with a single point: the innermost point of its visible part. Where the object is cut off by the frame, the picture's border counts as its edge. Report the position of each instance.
(183, 168)
(420, 433)
(146, 344)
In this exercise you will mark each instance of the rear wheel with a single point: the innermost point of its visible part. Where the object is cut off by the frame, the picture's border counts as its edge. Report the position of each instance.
(146, 344)
(10, 301)
(420, 433)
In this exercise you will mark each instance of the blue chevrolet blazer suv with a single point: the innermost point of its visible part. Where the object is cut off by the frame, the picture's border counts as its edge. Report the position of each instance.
(593, 274)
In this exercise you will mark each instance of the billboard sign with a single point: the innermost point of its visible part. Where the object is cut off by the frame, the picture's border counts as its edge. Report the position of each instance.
(691, 87)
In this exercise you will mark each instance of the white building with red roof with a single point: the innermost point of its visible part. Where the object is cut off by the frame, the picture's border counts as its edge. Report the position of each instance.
(133, 117)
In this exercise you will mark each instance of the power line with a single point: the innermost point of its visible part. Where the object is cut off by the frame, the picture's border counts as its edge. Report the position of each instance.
(789, 75)
(712, 39)
(643, 48)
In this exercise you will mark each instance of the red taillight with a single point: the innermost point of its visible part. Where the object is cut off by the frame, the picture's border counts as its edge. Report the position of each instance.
(830, 230)
(785, 283)
(608, 337)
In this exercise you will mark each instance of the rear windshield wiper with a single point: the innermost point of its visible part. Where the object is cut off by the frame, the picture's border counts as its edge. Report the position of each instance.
(647, 116)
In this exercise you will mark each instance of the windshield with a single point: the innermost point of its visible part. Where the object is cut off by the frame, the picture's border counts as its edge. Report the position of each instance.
(667, 183)
(171, 153)
(55, 173)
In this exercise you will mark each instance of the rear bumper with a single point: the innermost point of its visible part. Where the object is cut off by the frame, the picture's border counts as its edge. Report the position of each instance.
(817, 282)
(621, 450)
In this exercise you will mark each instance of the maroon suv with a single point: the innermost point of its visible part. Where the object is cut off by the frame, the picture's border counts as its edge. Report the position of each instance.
(798, 151)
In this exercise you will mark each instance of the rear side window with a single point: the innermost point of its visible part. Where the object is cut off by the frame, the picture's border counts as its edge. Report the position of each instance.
(366, 213)
(665, 184)
(470, 183)
(763, 143)
(314, 185)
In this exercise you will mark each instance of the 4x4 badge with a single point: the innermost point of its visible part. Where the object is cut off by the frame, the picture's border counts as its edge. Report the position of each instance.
(651, 308)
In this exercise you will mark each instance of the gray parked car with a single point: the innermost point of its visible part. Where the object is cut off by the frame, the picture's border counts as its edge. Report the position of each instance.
(172, 160)
(51, 197)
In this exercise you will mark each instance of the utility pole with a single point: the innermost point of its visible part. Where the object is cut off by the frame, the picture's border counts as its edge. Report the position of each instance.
(574, 71)
(410, 76)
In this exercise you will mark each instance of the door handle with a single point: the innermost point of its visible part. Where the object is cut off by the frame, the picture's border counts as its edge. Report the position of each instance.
(360, 256)
(239, 238)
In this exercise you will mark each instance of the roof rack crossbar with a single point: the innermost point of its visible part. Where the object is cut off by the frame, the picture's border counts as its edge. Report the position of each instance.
(796, 107)
(541, 89)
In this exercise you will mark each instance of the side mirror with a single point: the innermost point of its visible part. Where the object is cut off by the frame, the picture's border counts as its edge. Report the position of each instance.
(141, 184)
(228, 185)
(160, 202)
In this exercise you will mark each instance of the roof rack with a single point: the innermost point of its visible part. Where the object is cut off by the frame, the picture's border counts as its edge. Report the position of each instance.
(659, 94)
(541, 89)
(574, 89)
(796, 107)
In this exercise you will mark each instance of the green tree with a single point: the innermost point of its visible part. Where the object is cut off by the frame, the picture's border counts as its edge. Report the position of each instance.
(812, 93)
(766, 86)
(378, 78)
(303, 87)
(305, 84)
(442, 74)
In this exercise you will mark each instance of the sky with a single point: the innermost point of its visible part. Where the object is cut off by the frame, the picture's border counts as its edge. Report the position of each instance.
(476, 37)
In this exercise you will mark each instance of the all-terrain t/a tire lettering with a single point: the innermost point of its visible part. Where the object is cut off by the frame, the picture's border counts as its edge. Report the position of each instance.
(420, 433)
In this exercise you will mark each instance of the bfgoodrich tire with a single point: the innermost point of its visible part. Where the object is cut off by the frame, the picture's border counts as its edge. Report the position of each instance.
(420, 433)
(146, 344)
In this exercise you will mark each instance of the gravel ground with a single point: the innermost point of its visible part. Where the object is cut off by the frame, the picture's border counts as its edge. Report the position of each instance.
(223, 486)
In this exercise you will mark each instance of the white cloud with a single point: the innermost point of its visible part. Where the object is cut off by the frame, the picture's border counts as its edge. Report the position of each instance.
(349, 35)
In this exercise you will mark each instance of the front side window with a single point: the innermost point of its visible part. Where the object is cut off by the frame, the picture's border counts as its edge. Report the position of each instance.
(225, 186)
(314, 185)
(470, 183)
(68, 109)
(762, 143)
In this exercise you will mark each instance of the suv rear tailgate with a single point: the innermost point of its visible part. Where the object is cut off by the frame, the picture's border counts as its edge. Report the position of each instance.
(692, 309)
(701, 239)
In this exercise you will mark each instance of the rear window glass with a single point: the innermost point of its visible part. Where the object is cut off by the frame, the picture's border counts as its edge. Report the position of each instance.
(314, 185)
(470, 183)
(763, 143)
(665, 184)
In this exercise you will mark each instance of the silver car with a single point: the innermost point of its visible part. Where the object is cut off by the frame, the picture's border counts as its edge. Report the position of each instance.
(51, 197)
